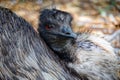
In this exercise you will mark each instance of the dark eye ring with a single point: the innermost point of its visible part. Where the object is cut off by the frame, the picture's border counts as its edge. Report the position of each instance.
(51, 26)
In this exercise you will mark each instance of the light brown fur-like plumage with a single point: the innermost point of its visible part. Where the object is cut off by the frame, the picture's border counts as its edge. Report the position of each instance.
(96, 59)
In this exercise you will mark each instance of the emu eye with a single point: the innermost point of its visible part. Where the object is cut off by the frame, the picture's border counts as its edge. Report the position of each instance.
(48, 27)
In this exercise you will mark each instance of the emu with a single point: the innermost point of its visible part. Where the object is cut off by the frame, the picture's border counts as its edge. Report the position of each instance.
(89, 56)
(24, 55)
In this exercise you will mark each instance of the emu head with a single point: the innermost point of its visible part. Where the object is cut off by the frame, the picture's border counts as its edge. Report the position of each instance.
(55, 29)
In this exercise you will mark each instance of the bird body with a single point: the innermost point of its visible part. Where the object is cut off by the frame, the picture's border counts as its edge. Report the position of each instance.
(96, 59)
(24, 55)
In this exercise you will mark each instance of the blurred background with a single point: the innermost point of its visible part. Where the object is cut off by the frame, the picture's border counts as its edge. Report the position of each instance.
(100, 16)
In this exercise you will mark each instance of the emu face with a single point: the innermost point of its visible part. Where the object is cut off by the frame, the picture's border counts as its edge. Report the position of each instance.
(55, 28)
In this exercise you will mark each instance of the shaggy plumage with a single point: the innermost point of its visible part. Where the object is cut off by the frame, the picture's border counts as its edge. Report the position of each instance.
(96, 59)
(23, 54)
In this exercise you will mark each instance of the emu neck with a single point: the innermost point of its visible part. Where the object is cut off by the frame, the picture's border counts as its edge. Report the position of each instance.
(62, 46)
(68, 53)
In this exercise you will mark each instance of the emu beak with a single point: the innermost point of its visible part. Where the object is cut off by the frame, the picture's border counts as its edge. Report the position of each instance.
(73, 35)
(67, 32)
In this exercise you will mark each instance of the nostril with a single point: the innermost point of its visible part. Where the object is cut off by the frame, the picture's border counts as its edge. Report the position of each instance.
(67, 33)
